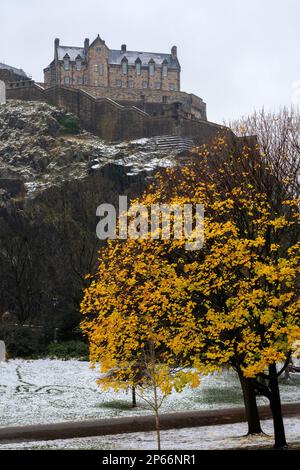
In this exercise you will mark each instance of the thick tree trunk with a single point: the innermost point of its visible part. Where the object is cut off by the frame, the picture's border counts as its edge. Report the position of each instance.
(251, 409)
(275, 404)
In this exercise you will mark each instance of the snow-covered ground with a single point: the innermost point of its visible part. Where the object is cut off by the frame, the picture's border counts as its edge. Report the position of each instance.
(229, 436)
(46, 391)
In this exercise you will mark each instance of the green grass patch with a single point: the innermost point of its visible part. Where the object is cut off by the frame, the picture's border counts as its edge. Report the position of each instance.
(228, 395)
(120, 405)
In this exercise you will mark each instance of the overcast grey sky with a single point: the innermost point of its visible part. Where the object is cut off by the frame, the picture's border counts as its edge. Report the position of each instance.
(237, 55)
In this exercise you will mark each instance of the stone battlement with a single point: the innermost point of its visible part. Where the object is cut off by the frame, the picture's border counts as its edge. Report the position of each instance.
(152, 101)
(114, 121)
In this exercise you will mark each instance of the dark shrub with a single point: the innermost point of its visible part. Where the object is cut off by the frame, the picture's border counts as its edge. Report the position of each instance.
(68, 350)
(22, 341)
(69, 125)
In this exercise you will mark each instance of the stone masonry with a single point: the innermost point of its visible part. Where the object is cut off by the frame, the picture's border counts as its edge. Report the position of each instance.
(125, 76)
(97, 65)
(12, 74)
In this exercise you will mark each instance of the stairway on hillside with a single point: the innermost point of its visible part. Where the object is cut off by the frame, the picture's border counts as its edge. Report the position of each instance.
(173, 142)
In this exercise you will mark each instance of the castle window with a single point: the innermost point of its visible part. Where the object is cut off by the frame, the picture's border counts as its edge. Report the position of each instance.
(101, 69)
(124, 67)
(96, 67)
(157, 85)
(138, 68)
(165, 70)
(96, 82)
(66, 64)
(145, 84)
(151, 69)
(118, 83)
(67, 80)
(80, 81)
(130, 84)
(98, 50)
(78, 64)
(165, 99)
(172, 87)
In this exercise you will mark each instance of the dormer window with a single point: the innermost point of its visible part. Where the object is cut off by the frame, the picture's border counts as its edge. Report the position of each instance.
(165, 70)
(66, 63)
(78, 64)
(138, 67)
(151, 69)
(124, 66)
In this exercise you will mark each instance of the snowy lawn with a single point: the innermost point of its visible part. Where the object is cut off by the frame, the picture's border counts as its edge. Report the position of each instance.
(46, 391)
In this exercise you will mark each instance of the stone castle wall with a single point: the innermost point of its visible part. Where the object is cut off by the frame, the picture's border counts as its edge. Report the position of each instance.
(114, 122)
(192, 105)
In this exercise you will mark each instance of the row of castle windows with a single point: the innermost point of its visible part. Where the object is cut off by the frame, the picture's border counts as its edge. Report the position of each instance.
(80, 81)
(118, 83)
(100, 68)
(157, 85)
(138, 68)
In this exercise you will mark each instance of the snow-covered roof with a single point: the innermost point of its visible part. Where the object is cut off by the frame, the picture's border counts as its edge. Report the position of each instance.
(72, 52)
(116, 57)
(19, 72)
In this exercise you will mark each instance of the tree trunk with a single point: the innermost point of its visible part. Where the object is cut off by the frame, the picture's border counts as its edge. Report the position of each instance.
(287, 374)
(251, 409)
(133, 398)
(157, 425)
(275, 404)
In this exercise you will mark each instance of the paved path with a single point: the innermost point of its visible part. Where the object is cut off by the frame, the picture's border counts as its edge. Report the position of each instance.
(104, 427)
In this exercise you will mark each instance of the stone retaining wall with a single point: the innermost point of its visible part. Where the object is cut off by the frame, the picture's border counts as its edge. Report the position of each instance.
(114, 122)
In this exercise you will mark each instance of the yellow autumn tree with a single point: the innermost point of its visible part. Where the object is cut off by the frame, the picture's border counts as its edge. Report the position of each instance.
(156, 306)
(138, 317)
(245, 280)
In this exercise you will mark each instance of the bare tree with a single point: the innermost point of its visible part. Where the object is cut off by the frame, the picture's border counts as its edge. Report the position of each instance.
(278, 137)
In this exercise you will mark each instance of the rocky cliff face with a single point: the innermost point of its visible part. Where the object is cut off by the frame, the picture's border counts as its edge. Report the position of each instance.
(43, 147)
(53, 176)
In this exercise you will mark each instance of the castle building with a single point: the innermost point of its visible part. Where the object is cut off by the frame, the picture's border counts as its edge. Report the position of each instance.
(143, 79)
(95, 65)
(12, 74)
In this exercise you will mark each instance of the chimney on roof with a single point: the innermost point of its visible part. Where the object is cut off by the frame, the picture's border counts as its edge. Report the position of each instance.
(86, 45)
(123, 48)
(174, 52)
(56, 45)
